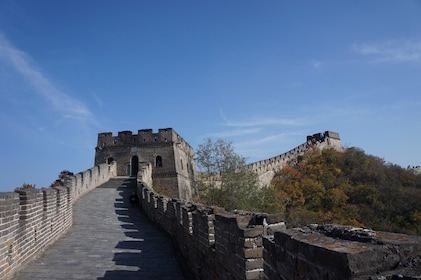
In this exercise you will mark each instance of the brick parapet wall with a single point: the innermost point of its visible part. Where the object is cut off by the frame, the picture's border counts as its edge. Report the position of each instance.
(266, 168)
(210, 242)
(33, 219)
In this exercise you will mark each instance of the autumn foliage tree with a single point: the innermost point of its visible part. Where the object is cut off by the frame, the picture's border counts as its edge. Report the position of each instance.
(25, 186)
(62, 176)
(349, 188)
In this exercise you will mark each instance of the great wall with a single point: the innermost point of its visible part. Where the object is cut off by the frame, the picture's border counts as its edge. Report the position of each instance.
(215, 244)
(266, 169)
(31, 220)
(210, 242)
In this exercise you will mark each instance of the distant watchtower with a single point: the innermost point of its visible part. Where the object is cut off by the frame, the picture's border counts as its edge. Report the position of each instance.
(171, 157)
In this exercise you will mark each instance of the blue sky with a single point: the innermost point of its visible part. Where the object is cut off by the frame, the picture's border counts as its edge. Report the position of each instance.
(263, 74)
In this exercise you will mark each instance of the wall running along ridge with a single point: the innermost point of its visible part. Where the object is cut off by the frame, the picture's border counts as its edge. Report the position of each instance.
(267, 168)
(212, 243)
(33, 219)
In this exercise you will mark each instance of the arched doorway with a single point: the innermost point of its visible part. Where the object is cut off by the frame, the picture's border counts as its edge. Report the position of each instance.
(135, 166)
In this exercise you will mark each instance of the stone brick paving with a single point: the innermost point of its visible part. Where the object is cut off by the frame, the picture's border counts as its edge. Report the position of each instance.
(109, 240)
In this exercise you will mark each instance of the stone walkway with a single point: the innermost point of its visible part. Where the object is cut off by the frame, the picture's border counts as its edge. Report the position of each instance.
(109, 240)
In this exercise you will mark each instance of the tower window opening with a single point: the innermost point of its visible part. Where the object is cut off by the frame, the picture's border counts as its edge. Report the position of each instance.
(158, 161)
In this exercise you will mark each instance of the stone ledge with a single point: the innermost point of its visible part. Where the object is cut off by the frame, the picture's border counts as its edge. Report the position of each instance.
(348, 252)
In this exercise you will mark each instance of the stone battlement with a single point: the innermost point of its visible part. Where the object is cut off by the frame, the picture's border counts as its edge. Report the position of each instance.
(33, 219)
(171, 157)
(143, 137)
(212, 243)
(266, 169)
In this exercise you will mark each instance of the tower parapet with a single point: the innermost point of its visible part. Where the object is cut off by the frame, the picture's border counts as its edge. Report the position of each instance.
(171, 157)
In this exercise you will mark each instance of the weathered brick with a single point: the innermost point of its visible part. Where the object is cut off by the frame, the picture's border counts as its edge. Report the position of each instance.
(30, 220)
(252, 253)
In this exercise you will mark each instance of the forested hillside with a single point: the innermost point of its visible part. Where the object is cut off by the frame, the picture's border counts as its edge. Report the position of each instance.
(349, 188)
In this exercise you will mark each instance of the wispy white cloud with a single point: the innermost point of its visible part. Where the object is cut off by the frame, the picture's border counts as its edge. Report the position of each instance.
(263, 141)
(257, 137)
(391, 51)
(235, 132)
(97, 99)
(258, 122)
(267, 146)
(262, 122)
(316, 64)
(66, 105)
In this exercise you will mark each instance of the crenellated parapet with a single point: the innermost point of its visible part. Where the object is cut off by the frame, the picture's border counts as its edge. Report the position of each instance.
(169, 155)
(212, 243)
(144, 137)
(33, 219)
(266, 168)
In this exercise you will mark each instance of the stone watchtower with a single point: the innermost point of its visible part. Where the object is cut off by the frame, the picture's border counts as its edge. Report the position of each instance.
(171, 158)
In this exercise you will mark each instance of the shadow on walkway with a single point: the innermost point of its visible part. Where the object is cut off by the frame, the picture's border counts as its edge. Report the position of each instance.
(145, 252)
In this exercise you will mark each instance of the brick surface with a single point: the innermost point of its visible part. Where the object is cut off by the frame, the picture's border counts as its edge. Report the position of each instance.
(108, 240)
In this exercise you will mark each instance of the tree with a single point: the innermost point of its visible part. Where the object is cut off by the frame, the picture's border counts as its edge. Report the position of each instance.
(350, 188)
(224, 179)
(287, 187)
(25, 186)
(61, 178)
